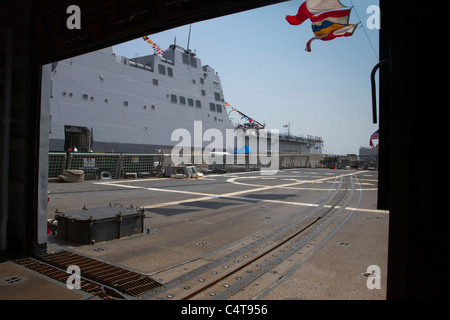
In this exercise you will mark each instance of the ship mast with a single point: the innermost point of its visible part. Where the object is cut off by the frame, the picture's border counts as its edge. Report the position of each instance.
(189, 37)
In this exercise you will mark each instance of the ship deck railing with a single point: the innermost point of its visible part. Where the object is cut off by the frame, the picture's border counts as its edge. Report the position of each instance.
(123, 165)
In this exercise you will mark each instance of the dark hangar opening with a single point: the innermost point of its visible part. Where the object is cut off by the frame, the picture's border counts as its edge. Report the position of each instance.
(34, 33)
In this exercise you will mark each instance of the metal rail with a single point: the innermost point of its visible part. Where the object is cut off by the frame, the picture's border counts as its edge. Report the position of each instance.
(251, 261)
(295, 233)
(374, 87)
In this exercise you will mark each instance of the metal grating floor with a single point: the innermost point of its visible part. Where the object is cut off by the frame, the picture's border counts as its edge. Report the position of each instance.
(60, 275)
(123, 280)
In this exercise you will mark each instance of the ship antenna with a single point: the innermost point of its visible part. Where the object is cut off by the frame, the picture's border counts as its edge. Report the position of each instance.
(189, 37)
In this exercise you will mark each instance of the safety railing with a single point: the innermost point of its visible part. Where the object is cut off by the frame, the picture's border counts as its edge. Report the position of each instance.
(119, 165)
(56, 163)
(138, 163)
(93, 164)
(294, 161)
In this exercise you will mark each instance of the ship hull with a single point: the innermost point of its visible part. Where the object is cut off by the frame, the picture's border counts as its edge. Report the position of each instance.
(103, 102)
(107, 102)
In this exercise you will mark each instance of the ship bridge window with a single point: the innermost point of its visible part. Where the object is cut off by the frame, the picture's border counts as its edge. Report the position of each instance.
(173, 98)
(155, 82)
(161, 69)
(202, 81)
(218, 108)
(190, 102)
(170, 72)
(185, 58)
(203, 93)
(193, 62)
(212, 107)
(198, 103)
(182, 100)
(217, 96)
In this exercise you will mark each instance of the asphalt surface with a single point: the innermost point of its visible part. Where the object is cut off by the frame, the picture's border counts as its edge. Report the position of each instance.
(299, 234)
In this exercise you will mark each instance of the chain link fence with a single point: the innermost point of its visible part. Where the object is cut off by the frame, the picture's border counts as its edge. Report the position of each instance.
(56, 163)
(94, 164)
(119, 165)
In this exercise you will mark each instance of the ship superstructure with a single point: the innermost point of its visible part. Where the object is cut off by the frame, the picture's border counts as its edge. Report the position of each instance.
(106, 102)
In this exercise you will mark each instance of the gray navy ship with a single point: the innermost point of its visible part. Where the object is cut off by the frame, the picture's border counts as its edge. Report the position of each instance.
(105, 102)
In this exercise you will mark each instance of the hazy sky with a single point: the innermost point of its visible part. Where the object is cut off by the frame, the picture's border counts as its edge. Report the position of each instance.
(267, 74)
